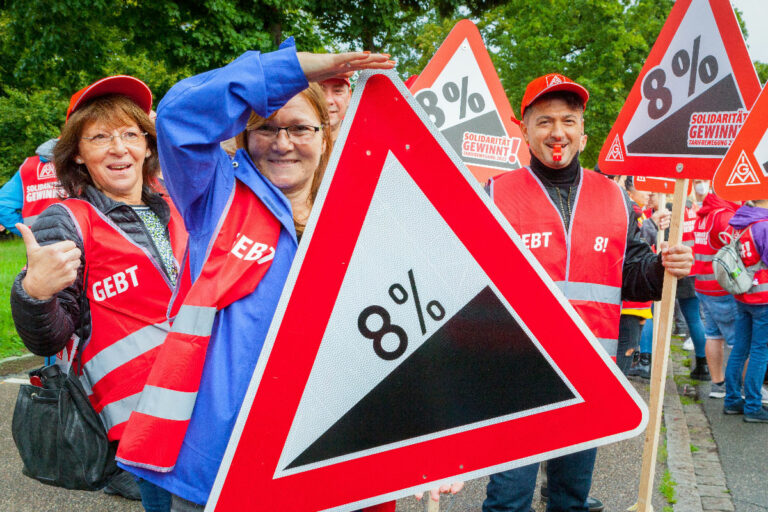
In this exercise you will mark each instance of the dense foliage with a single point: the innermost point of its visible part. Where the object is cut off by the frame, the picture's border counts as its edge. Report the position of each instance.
(51, 48)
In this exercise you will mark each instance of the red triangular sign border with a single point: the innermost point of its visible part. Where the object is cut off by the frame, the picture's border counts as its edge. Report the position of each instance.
(742, 152)
(746, 80)
(466, 29)
(384, 118)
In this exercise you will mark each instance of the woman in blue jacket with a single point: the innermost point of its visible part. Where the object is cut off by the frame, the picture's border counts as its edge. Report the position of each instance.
(210, 188)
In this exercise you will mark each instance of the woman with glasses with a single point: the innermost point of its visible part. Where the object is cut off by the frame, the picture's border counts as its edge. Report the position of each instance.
(245, 215)
(102, 265)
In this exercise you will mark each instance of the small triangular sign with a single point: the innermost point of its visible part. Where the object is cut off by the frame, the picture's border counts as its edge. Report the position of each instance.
(743, 173)
(461, 91)
(415, 336)
(690, 98)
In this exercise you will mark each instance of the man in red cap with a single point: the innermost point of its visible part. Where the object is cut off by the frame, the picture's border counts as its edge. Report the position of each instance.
(338, 93)
(592, 250)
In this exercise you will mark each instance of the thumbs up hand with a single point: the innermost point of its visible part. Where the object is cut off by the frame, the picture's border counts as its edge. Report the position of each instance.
(50, 268)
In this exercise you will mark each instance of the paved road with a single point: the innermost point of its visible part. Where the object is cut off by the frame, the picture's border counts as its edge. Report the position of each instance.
(19, 493)
(743, 451)
(615, 482)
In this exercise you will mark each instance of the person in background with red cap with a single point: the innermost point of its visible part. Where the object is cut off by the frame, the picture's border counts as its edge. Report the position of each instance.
(593, 252)
(338, 93)
(128, 236)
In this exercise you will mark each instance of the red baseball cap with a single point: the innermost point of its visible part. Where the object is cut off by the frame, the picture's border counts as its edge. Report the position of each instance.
(126, 85)
(338, 78)
(546, 84)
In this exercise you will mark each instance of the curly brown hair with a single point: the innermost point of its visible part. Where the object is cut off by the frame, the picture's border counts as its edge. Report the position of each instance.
(316, 99)
(114, 110)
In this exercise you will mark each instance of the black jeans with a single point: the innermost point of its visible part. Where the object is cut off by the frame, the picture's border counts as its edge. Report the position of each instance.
(629, 337)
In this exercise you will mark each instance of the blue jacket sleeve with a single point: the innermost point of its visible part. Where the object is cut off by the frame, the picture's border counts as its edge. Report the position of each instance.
(201, 111)
(11, 201)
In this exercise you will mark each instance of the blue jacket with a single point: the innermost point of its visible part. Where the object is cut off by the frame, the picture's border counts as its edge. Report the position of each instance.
(11, 201)
(192, 119)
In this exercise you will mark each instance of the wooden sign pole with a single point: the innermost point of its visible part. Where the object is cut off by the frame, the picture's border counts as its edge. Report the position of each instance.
(661, 355)
(662, 203)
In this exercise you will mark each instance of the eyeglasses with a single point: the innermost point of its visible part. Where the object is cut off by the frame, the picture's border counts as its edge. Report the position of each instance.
(129, 138)
(296, 133)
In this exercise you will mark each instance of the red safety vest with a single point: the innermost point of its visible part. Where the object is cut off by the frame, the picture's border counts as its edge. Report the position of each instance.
(40, 186)
(128, 294)
(585, 261)
(241, 254)
(703, 251)
(758, 294)
(689, 223)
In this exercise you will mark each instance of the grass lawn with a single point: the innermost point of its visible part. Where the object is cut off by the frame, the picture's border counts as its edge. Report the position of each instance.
(12, 258)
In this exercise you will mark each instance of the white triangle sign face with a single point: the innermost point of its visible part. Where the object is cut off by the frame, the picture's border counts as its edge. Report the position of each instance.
(461, 93)
(743, 173)
(694, 63)
(398, 211)
(414, 329)
(690, 99)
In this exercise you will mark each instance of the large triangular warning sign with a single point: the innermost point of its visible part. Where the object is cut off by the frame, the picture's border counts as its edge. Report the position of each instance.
(743, 173)
(692, 96)
(462, 94)
(415, 337)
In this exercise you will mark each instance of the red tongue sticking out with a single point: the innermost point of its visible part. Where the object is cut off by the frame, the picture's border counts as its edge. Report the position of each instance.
(557, 153)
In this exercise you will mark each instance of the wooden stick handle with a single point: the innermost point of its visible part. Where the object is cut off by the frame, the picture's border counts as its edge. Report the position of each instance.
(661, 356)
(432, 505)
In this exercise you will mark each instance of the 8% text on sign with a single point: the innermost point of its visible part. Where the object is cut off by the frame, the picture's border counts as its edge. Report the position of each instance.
(400, 296)
(451, 93)
(659, 96)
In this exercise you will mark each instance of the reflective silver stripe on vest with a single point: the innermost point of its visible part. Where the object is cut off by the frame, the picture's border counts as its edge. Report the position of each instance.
(125, 351)
(758, 288)
(590, 292)
(118, 412)
(29, 220)
(167, 404)
(610, 346)
(194, 320)
(703, 257)
(706, 277)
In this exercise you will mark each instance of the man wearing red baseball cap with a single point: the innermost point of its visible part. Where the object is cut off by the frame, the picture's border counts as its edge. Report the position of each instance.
(589, 245)
(338, 93)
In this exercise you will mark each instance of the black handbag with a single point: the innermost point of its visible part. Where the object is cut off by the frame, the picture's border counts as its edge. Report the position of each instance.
(60, 438)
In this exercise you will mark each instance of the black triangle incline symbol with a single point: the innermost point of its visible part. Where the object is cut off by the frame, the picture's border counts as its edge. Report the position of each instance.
(670, 137)
(487, 124)
(765, 166)
(478, 366)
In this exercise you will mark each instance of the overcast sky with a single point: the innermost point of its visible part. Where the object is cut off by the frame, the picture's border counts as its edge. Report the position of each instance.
(755, 14)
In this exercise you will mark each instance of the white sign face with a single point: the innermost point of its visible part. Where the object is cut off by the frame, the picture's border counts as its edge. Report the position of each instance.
(462, 107)
(408, 271)
(691, 103)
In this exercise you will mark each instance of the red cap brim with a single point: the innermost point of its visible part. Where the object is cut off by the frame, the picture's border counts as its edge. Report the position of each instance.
(126, 85)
